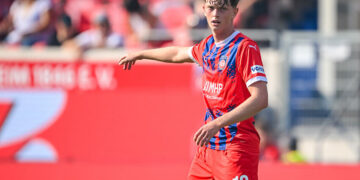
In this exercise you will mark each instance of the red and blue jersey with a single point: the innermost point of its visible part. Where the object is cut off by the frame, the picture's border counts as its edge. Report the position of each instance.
(229, 67)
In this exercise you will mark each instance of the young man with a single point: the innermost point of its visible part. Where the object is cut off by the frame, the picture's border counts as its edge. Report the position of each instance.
(234, 88)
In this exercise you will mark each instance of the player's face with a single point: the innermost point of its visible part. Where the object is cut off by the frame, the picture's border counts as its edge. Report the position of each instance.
(219, 15)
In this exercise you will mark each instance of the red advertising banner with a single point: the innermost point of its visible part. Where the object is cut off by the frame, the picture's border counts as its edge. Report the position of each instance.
(98, 114)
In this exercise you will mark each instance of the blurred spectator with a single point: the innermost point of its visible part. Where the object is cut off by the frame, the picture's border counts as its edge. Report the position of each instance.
(28, 22)
(64, 27)
(293, 155)
(4, 11)
(141, 22)
(99, 36)
(174, 15)
(64, 31)
(283, 14)
(4, 8)
(244, 6)
(83, 11)
(198, 19)
(58, 7)
(258, 14)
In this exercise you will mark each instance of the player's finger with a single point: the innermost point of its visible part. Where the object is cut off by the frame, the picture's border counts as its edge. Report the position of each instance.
(196, 135)
(129, 66)
(125, 65)
(200, 138)
(121, 61)
(202, 141)
(205, 141)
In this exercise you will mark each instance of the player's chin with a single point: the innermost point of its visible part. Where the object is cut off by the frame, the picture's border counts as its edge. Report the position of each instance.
(216, 29)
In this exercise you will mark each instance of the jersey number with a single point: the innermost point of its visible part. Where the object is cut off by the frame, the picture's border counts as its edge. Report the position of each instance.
(243, 177)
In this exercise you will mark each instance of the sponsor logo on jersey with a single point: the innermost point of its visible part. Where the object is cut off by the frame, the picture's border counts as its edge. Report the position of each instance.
(257, 69)
(213, 88)
(222, 62)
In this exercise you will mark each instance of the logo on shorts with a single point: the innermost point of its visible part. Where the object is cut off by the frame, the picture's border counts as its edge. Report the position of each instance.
(222, 62)
(243, 177)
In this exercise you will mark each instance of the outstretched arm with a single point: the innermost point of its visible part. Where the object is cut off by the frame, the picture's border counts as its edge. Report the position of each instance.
(257, 101)
(167, 54)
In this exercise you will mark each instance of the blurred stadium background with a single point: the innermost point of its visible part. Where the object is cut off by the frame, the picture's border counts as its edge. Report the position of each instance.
(67, 111)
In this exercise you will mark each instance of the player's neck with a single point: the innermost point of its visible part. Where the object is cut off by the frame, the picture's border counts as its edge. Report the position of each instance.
(221, 36)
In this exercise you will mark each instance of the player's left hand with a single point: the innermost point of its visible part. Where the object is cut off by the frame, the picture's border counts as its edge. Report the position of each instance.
(205, 133)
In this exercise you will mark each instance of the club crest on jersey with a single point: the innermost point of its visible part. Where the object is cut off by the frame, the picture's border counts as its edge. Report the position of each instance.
(222, 62)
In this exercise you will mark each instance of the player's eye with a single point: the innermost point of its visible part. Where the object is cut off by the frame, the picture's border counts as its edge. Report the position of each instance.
(223, 8)
(211, 8)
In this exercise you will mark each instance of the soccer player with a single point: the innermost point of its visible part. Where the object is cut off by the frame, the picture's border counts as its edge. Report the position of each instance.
(234, 88)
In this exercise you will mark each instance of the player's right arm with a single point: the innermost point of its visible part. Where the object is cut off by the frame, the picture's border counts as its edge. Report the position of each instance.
(167, 54)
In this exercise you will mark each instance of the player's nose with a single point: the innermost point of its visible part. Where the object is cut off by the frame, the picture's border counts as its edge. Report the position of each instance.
(215, 12)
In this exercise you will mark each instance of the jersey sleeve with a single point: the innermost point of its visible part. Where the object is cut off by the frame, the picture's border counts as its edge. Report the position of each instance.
(195, 52)
(250, 65)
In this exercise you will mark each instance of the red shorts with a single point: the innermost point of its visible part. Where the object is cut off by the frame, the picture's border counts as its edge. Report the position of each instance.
(210, 164)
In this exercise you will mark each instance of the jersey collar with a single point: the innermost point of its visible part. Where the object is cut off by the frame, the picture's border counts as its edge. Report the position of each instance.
(227, 40)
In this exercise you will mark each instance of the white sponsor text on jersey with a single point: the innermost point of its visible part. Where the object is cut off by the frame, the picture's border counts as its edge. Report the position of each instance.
(214, 88)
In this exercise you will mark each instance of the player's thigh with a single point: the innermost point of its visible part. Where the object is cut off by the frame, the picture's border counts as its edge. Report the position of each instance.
(198, 173)
(236, 165)
(199, 169)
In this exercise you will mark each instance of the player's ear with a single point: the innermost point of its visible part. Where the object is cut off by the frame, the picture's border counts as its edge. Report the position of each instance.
(236, 10)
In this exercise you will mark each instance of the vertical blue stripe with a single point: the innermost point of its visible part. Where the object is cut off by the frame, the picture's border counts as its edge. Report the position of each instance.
(208, 44)
(208, 58)
(222, 134)
(213, 57)
(207, 49)
(212, 143)
(231, 71)
(208, 115)
(233, 130)
(222, 141)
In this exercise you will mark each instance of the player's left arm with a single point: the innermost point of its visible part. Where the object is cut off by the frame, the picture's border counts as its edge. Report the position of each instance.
(257, 101)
